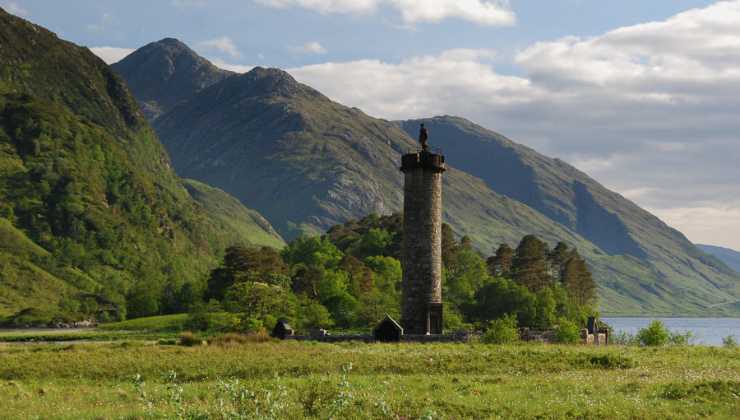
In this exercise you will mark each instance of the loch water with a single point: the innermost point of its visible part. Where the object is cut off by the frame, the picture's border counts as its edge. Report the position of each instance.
(705, 331)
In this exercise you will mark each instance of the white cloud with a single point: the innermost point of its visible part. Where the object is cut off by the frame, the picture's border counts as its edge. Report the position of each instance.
(223, 44)
(705, 225)
(455, 81)
(237, 68)
(111, 54)
(494, 13)
(483, 12)
(310, 48)
(14, 8)
(650, 109)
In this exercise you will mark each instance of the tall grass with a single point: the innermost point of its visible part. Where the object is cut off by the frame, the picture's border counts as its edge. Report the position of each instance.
(286, 379)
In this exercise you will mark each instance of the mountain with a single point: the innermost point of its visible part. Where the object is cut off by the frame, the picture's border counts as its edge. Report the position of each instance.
(166, 72)
(231, 216)
(307, 163)
(574, 200)
(92, 215)
(726, 255)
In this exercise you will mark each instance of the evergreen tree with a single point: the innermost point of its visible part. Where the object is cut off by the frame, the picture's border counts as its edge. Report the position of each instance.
(499, 265)
(449, 244)
(529, 266)
(557, 259)
(579, 282)
(242, 264)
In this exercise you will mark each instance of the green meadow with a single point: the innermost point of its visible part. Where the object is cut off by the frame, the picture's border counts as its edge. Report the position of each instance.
(244, 378)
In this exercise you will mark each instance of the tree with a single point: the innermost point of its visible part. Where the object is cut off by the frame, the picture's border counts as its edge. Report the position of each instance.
(387, 273)
(557, 259)
(499, 297)
(529, 266)
(312, 314)
(499, 265)
(313, 251)
(502, 331)
(260, 300)
(143, 300)
(449, 244)
(241, 264)
(374, 242)
(579, 282)
(545, 304)
(465, 273)
(360, 275)
(567, 332)
(385, 296)
(655, 334)
(259, 260)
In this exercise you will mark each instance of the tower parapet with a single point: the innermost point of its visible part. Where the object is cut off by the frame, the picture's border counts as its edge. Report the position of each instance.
(421, 311)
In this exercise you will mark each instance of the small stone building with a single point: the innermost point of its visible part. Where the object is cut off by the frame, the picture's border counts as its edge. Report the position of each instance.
(282, 330)
(388, 331)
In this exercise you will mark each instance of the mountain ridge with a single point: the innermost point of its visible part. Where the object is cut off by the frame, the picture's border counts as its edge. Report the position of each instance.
(163, 73)
(729, 256)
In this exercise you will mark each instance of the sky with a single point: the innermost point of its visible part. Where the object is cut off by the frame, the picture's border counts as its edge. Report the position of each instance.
(644, 96)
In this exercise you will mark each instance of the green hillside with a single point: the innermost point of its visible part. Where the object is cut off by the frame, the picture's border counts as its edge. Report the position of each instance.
(246, 225)
(92, 214)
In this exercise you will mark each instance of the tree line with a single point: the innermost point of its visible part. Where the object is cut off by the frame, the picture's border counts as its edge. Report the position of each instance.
(351, 277)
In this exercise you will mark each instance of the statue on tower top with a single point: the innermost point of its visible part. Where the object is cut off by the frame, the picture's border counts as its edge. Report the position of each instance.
(423, 137)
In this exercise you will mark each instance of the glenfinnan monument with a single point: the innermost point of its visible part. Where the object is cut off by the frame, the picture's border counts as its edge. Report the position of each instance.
(421, 311)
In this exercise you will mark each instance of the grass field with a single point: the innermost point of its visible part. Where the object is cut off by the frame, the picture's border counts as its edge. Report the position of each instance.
(354, 380)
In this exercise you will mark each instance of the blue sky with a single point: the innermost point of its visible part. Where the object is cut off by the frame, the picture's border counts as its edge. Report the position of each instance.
(643, 95)
(270, 36)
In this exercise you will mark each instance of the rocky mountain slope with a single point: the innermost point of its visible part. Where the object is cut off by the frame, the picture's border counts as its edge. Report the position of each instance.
(307, 163)
(90, 209)
(166, 72)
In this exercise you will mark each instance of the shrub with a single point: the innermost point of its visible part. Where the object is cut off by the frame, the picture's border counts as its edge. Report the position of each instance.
(252, 324)
(189, 339)
(198, 319)
(604, 361)
(680, 339)
(729, 341)
(501, 331)
(655, 334)
(567, 332)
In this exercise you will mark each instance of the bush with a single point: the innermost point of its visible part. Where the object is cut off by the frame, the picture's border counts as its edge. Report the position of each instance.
(252, 324)
(567, 332)
(679, 339)
(655, 334)
(729, 341)
(189, 339)
(198, 319)
(502, 331)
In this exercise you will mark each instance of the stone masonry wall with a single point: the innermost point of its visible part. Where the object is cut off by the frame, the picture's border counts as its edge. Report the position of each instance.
(422, 248)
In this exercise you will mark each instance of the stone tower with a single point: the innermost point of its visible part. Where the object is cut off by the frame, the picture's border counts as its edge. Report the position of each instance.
(421, 305)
